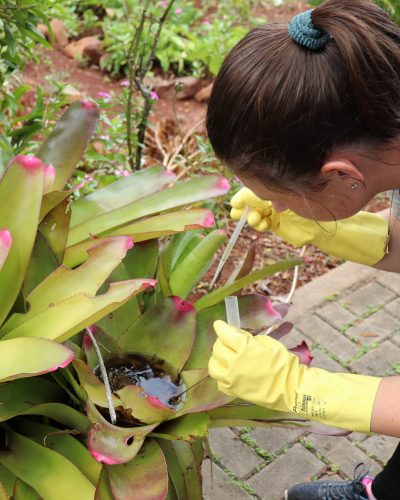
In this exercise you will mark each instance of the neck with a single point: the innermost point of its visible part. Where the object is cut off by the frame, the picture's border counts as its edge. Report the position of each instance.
(383, 171)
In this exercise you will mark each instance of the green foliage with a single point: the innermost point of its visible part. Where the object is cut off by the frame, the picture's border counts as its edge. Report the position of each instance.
(392, 7)
(20, 124)
(189, 42)
(211, 43)
(19, 20)
(43, 303)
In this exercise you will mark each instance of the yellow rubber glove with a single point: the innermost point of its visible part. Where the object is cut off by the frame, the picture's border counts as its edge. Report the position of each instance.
(361, 238)
(261, 370)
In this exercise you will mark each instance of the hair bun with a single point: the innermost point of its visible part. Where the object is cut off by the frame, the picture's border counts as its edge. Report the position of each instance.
(303, 32)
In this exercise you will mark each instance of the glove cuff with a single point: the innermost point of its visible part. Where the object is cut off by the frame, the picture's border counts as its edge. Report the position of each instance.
(339, 399)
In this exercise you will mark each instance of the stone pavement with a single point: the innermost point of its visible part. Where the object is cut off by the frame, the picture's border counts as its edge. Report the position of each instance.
(350, 318)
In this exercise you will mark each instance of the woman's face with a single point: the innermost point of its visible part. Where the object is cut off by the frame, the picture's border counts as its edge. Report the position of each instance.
(337, 200)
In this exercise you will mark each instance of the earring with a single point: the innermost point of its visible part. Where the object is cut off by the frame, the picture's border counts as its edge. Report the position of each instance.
(354, 186)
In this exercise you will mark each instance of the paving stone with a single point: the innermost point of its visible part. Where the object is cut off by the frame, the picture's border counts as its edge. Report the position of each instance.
(321, 333)
(274, 439)
(369, 295)
(296, 466)
(379, 360)
(382, 447)
(342, 452)
(391, 280)
(228, 447)
(357, 437)
(373, 329)
(338, 281)
(395, 337)
(394, 307)
(336, 315)
(322, 360)
(218, 486)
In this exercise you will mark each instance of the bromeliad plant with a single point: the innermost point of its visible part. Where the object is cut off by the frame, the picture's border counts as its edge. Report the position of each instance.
(74, 291)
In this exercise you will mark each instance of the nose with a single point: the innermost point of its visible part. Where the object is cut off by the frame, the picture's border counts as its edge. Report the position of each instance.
(279, 206)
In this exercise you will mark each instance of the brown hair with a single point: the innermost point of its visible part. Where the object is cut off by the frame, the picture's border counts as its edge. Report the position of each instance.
(277, 109)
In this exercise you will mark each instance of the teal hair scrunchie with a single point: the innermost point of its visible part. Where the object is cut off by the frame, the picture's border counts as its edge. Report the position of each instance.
(303, 31)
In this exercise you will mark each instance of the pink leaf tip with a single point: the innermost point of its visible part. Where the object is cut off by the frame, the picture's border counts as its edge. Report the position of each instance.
(103, 459)
(269, 308)
(182, 305)
(224, 185)
(88, 105)
(154, 401)
(49, 178)
(129, 243)
(208, 220)
(30, 163)
(169, 173)
(64, 363)
(150, 282)
(5, 238)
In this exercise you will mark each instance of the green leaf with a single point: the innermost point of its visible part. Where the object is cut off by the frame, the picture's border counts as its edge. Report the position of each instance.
(42, 263)
(49, 473)
(202, 392)
(145, 477)
(20, 395)
(70, 294)
(93, 386)
(166, 224)
(54, 228)
(63, 443)
(182, 193)
(184, 469)
(3, 492)
(189, 427)
(116, 323)
(242, 410)
(220, 293)
(7, 480)
(107, 345)
(143, 407)
(141, 260)
(111, 444)
(147, 229)
(86, 311)
(24, 357)
(66, 144)
(178, 320)
(103, 491)
(189, 272)
(51, 200)
(60, 413)
(21, 189)
(183, 245)
(24, 492)
(120, 193)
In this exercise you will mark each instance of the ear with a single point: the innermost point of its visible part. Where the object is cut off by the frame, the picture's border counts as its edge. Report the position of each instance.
(342, 168)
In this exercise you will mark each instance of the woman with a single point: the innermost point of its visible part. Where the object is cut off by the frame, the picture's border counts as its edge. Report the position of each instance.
(309, 117)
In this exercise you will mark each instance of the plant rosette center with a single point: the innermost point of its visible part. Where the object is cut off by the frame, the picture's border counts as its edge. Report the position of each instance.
(144, 383)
